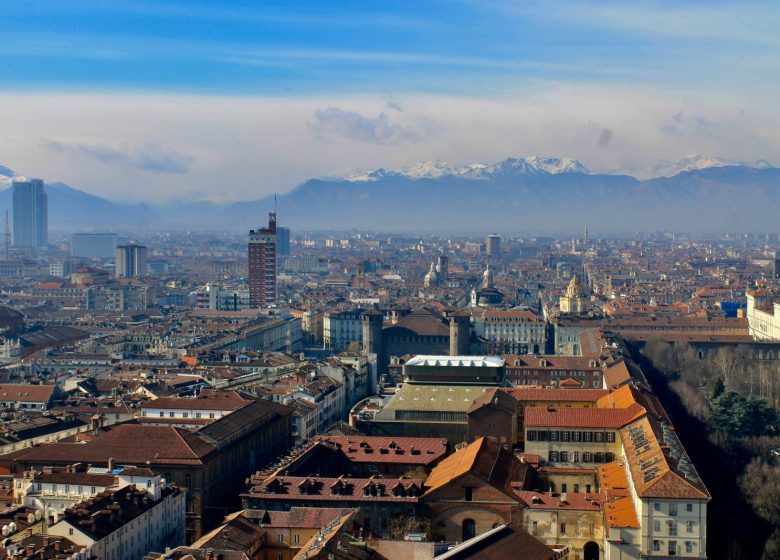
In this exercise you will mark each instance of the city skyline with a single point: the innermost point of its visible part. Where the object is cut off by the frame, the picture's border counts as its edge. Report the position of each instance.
(139, 102)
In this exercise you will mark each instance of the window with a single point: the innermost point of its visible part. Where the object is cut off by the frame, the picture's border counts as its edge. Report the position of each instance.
(469, 529)
(531, 435)
(297, 539)
(611, 437)
(587, 457)
(672, 509)
(689, 526)
(576, 488)
(534, 526)
(469, 493)
(554, 435)
(576, 457)
(587, 488)
(185, 414)
(587, 436)
(656, 546)
(92, 490)
(656, 506)
(563, 528)
(197, 415)
(564, 436)
(672, 528)
(599, 437)
(70, 531)
(162, 414)
(280, 537)
(564, 456)
(576, 436)
(564, 488)
(553, 456)
(187, 480)
(211, 415)
(689, 508)
(171, 414)
(657, 525)
(672, 548)
(689, 546)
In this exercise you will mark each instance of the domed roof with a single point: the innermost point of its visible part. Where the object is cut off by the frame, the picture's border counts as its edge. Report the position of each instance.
(487, 278)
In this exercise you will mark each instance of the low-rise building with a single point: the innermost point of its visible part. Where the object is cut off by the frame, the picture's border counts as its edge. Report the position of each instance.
(126, 523)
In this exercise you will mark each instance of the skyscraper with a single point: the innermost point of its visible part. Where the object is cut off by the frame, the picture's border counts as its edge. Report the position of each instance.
(91, 245)
(493, 245)
(31, 214)
(130, 261)
(283, 241)
(262, 264)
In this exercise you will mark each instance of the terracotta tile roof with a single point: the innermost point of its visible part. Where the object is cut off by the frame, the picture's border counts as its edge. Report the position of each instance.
(560, 501)
(523, 315)
(380, 449)
(126, 444)
(298, 517)
(421, 322)
(656, 471)
(552, 394)
(616, 374)
(482, 458)
(26, 393)
(327, 489)
(505, 541)
(207, 400)
(606, 418)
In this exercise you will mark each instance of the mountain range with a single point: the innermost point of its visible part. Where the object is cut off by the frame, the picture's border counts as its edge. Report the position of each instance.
(517, 194)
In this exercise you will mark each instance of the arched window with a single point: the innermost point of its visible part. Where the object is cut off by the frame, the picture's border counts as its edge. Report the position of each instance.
(469, 529)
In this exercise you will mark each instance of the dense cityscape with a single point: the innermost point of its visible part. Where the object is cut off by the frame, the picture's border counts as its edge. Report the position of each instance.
(283, 394)
(389, 280)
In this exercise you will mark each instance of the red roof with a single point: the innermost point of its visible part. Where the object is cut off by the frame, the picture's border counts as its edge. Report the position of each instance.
(549, 417)
(379, 449)
(552, 394)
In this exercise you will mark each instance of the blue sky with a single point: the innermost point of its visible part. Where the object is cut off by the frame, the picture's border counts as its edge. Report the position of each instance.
(364, 84)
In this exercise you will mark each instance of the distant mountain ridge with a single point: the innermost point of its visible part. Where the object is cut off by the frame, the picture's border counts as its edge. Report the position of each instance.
(514, 195)
(437, 169)
(72, 208)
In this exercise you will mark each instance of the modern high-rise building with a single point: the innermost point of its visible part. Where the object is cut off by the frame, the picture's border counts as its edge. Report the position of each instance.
(93, 245)
(493, 245)
(30, 214)
(283, 241)
(130, 261)
(262, 264)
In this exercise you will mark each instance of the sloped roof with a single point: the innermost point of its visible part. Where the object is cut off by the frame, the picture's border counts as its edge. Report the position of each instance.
(484, 459)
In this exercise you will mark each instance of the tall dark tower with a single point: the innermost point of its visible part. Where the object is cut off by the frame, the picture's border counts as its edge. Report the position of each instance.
(30, 214)
(441, 269)
(262, 264)
(776, 265)
(372, 337)
(460, 333)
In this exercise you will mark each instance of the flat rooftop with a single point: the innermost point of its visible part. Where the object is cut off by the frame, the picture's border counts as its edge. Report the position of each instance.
(456, 361)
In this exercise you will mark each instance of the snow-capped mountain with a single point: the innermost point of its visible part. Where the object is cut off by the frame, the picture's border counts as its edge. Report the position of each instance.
(6, 175)
(696, 162)
(438, 169)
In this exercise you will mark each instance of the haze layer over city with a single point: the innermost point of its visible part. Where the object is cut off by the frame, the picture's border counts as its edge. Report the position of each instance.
(374, 281)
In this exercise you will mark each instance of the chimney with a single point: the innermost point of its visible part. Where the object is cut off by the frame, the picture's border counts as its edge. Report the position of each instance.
(110, 464)
(29, 549)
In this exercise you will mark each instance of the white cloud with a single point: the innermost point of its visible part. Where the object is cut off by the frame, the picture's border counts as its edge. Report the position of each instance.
(248, 147)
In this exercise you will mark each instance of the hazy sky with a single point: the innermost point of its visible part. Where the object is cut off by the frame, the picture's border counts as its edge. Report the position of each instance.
(147, 100)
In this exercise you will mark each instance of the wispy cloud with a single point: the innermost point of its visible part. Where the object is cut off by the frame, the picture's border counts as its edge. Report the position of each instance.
(336, 122)
(145, 156)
